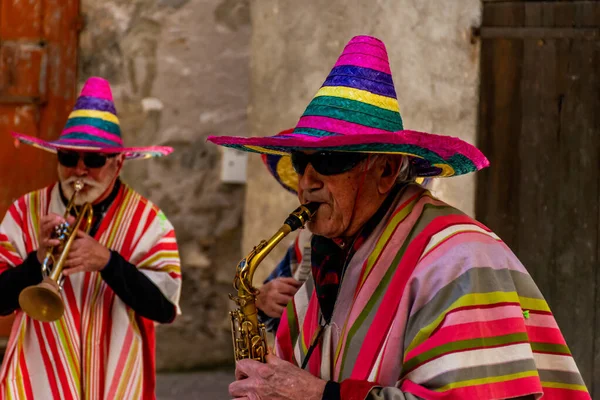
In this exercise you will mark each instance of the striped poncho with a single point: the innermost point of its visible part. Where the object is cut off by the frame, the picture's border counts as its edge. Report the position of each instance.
(100, 348)
(435, 306)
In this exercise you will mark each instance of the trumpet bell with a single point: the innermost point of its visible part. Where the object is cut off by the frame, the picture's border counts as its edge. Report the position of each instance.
(42, 302)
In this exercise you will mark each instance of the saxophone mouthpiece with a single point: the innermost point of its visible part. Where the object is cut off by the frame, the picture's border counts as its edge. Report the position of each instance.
(301, 215)
(312, 208)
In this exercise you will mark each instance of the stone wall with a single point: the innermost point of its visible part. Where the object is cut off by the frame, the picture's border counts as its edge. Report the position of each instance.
(179, 72)
(434, 64)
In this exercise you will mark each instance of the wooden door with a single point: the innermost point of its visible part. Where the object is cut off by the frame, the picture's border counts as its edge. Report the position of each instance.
(38, 71)
(540, 127)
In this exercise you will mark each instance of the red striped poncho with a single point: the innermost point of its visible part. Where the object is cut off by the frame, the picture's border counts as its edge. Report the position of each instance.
(434, 306)
(99, 349)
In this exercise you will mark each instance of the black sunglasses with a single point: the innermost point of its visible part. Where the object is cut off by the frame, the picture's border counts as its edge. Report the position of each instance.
(70, 159)
(327, 162)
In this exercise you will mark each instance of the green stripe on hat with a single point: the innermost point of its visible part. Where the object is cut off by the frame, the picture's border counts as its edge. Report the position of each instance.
(359, 107)
(106, 126)
(355, 117)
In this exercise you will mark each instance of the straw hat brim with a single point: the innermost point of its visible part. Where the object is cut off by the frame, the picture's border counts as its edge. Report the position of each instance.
(130, 152)
(433, 155)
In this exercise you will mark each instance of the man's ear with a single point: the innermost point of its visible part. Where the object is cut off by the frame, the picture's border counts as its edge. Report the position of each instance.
(120, 160)
(390, 169)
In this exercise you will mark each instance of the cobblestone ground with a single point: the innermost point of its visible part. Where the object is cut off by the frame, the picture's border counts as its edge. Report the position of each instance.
(204, 385)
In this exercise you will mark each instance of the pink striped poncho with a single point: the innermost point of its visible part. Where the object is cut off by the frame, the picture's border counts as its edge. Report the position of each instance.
(99, 349)
(433, 306)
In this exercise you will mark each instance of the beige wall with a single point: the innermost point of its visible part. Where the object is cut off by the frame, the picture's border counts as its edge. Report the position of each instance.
(435, 69)
(179, 72)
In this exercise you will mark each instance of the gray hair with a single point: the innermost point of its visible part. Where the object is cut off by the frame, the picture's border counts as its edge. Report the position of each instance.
(406, 173)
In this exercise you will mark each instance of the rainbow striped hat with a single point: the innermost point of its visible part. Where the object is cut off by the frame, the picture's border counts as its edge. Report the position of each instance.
(356, 110)
(93, 126)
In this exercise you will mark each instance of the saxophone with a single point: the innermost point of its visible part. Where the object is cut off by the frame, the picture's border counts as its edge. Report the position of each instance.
(249, 335)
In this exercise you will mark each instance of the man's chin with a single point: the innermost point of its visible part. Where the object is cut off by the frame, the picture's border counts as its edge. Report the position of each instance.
(320, 229)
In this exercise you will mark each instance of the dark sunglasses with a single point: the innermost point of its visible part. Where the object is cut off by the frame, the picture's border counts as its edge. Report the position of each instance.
(70, 159)
(327, 162)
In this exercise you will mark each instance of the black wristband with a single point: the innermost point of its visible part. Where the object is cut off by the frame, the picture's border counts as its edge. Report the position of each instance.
(332, 391)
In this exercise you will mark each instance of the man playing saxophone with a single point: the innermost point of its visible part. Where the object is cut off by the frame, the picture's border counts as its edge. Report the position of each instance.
(408, 297)
(121, 274)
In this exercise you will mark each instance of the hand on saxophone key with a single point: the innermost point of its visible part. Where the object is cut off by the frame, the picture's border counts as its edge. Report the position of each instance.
(86, 255)
(46, 235)
(274, 295)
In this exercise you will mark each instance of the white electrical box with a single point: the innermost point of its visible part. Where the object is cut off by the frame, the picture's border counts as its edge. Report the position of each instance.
(233, 166)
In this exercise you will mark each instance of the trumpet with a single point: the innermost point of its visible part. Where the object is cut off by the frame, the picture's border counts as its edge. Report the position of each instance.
(249, 335)
(43, 301)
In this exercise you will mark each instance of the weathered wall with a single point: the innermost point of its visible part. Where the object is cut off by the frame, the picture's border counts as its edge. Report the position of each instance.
(434, 65)
(179, 71)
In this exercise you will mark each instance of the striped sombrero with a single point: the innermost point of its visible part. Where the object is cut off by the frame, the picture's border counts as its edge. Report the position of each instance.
(356, 110)
(93, 126)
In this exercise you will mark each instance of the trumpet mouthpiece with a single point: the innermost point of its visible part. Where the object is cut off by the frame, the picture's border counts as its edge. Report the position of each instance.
(78, 185)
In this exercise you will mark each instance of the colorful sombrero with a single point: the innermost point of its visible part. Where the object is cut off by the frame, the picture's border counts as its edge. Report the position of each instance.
(93, 125)
(356, 110)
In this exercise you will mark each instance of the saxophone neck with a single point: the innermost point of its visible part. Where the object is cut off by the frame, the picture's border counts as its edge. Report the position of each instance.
(246, 268)
(248, 265)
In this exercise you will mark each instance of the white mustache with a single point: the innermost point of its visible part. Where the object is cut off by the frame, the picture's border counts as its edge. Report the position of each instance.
(86, 181)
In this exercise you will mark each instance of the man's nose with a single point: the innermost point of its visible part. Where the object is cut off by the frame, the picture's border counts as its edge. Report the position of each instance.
(310, 180)
(80, 168)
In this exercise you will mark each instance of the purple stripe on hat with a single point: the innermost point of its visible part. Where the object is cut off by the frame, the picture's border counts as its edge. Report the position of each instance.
(364, 60)
(93, 131)
(335, 126)
(363, 73)
(361, 84)
(94, 103)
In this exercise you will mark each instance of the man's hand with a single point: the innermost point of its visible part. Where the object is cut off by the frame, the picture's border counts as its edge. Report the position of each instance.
(86, 254)
(46, 239)
(274, 295)
(275, 380)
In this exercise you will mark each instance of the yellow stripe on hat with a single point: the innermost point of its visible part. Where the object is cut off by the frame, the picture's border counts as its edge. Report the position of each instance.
(264, 150)
(106, 116)
(286, 172)
(447, 169)
(363, 96)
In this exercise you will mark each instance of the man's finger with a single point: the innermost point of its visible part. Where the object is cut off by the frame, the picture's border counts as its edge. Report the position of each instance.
(50, 242)
(51, 221)
(275, 309)
(71, 271)
(291, 281)
(287, 290)
(271, 358)
(246, 368)
(81, 234)
(282, 299)
(239, 389)
(73, 262)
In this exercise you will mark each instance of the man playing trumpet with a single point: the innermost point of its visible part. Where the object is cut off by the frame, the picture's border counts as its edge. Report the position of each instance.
(120, 276)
